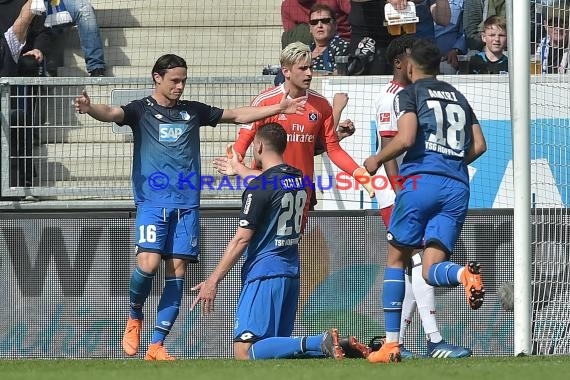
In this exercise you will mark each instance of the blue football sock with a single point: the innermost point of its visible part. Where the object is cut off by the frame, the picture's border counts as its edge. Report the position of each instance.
(277, 348)
(313, 343)
(168, 307)
(392, 298)
(444, 274)
(139, 289)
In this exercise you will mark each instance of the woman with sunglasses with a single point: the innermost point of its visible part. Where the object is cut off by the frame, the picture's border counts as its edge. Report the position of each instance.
(326, 45)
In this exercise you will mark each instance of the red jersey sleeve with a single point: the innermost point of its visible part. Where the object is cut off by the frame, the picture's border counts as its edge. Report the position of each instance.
(245, 137)
(247, 131)
(335, 152)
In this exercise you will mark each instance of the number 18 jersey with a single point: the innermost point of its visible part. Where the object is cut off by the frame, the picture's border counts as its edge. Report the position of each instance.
(445, 129)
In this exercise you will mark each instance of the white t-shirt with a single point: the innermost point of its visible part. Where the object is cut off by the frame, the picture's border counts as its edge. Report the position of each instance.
(386, 126)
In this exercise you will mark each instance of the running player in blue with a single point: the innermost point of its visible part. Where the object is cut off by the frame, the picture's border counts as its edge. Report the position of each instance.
(440, 134)
(166, 186)
(269, 232)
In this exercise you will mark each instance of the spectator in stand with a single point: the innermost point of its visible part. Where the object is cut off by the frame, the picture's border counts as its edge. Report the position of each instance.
(38, 39)
(367, 20)
(450, 39)
(295, 18)
(552, 51)
(492, 59)
(475, 12)
(430, 12)
(81, 14)
(326, 43)
(29, 50)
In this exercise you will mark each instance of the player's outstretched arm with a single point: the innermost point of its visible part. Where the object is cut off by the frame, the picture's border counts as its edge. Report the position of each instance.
(244, 115)
(232, 165)
(407, 127)
(346, 127)
(478, 147)
(101, 112)
(208, 289)
(391, 166)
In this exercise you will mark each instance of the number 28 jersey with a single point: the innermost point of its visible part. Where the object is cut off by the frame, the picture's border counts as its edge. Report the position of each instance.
(445, 129)
(273, 205)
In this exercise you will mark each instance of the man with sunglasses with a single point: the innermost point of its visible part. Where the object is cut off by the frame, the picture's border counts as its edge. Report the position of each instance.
(295, 14)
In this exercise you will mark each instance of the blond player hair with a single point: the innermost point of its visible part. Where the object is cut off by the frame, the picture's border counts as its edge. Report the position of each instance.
(293, 53)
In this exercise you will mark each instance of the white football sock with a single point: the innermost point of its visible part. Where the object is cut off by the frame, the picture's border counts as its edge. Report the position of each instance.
(408, 309)
(425, 299)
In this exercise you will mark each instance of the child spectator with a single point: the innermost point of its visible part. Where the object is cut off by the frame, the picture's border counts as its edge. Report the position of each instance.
(552, 51)
(474, 15)
(492, 59)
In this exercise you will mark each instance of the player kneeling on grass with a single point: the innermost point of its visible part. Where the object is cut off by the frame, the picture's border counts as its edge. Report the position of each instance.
(268, 233)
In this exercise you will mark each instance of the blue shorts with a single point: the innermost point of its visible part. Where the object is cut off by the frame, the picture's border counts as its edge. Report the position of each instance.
(266, 308)
(433, 212)
(171, 232)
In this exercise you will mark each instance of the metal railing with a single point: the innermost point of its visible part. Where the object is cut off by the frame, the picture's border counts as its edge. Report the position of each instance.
(49, 151)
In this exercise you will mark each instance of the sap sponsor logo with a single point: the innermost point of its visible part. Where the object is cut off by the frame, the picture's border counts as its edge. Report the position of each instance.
(171, 132)
(247, 203)
(243, 223)
(313, 116)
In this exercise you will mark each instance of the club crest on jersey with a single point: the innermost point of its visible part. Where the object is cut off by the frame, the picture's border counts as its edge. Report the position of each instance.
(171, 132)
(313, 116)
(184, 115)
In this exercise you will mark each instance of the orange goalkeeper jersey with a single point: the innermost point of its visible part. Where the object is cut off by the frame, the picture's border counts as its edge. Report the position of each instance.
(302, 132)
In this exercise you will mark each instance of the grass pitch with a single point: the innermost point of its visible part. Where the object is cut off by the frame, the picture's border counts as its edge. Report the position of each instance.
(507, 368)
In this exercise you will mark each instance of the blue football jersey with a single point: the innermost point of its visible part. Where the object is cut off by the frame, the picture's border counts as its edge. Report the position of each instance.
(166, 155)
(445, 129)
(273, 205)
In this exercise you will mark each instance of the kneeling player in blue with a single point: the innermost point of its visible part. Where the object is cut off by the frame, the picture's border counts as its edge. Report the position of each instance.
(440, 134)
(269, 232)
(166, 185)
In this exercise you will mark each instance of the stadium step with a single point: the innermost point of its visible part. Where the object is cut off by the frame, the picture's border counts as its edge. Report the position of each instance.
(92, 160)
(189, 37)
(77, 69)
(195, 13)
(214, 56)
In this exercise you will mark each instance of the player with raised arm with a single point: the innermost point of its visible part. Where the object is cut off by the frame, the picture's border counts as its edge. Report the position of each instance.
(268, 233)
(440, 134)
(302, 130)
(418, 292)
(166, 187)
